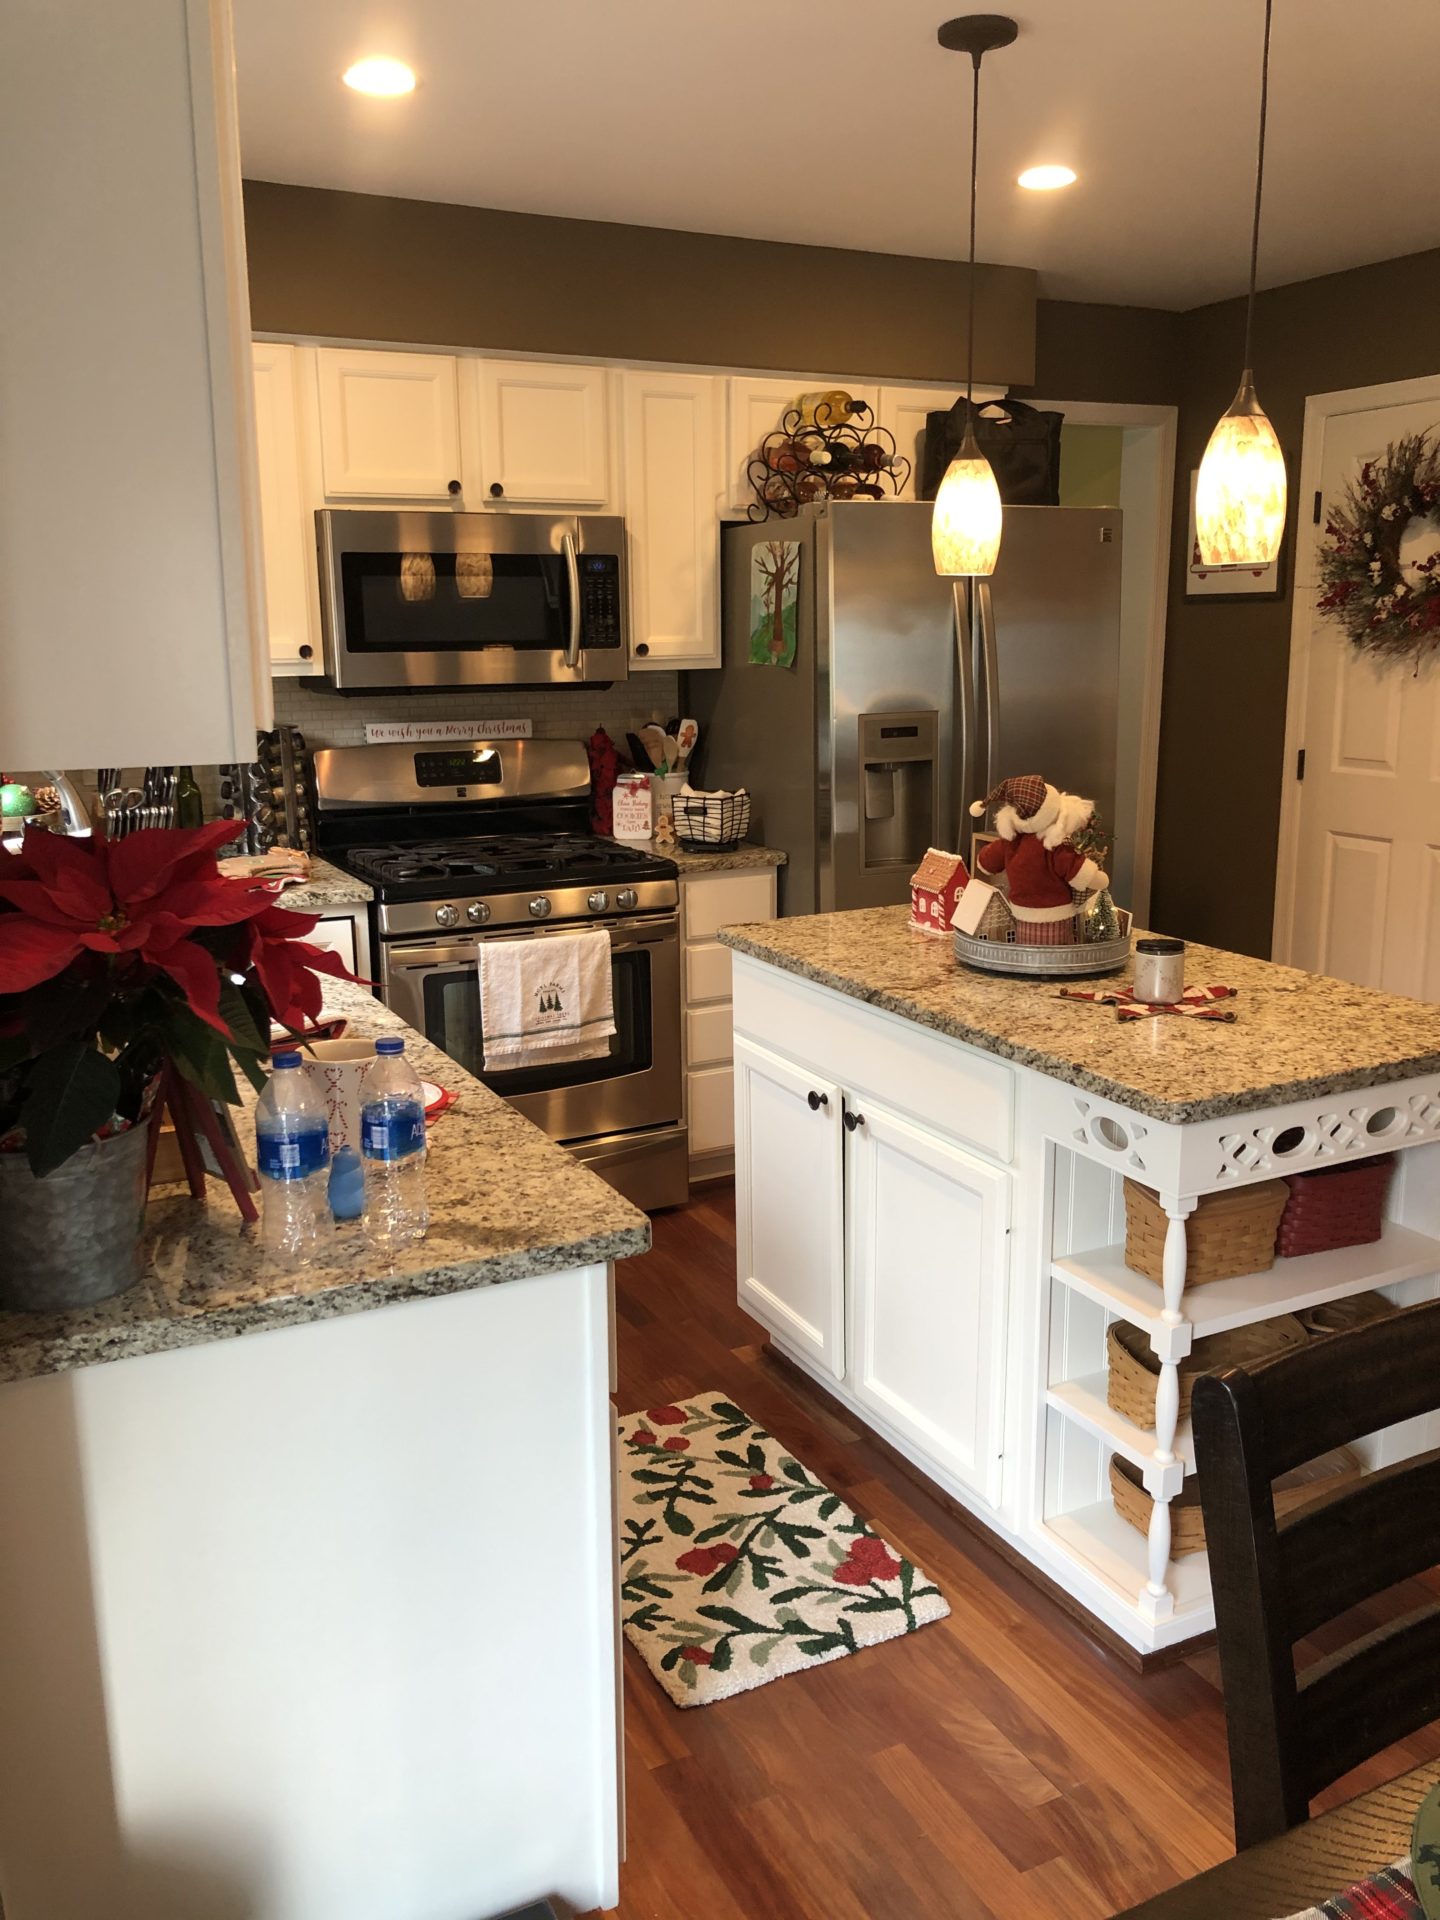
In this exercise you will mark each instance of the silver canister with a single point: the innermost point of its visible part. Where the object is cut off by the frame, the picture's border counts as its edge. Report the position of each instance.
(1159, 971)
(73, 1238)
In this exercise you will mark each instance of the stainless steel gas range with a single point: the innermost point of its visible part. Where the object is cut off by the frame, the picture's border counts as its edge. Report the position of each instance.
(490, 839)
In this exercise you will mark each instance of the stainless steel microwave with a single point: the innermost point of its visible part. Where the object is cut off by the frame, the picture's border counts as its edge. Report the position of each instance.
(471, 599)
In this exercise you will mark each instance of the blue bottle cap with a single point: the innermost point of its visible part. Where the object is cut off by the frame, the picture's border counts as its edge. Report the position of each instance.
(392, 1043)
(279, 1060)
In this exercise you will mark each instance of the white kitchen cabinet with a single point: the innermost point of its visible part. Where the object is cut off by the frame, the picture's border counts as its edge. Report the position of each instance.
(389, 425)
(789, 1232)
(130, 623)
(672, 442)
(927, 1264)
(755, 406)
(291, 605)
(544, 434)
(709, 901)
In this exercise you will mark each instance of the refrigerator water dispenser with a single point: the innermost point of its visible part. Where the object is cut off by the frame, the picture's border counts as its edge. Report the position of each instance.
(899, 778)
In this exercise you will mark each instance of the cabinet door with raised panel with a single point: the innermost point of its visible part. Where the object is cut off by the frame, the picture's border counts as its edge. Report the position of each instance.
(756, 407)
(544, 434)
(671, 477)
(389, 424)
(789, 1235)
(928, 1263)
(289, 607)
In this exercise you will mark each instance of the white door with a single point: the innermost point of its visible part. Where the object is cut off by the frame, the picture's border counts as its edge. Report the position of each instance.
(389, 425)
(928, 1262)
(1366, 875)
(755, 408)
(290, 609)
(544, 434)
(672, 472)
(789, 1229)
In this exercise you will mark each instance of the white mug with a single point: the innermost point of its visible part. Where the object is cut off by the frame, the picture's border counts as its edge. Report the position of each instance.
(338, 1068)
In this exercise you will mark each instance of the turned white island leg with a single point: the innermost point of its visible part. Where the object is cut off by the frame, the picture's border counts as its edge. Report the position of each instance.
(1156, 1600)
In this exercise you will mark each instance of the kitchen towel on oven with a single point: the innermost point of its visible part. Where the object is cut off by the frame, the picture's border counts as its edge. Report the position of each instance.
(546, 1001)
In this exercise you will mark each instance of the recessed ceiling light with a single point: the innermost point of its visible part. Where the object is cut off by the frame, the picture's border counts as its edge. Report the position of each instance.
(382, 76)
(1046, 179)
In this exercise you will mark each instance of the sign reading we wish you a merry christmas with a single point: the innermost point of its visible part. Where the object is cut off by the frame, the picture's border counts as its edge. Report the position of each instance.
(408, 733)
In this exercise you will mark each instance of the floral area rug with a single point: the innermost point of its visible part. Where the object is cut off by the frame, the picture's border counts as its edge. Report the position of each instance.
(737, 1565)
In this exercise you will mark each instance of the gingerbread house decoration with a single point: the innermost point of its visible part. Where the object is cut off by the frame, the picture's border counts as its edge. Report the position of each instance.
(935, 886)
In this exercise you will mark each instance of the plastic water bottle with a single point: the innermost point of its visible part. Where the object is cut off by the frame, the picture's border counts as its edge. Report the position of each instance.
(292, 1152)
(392, 1142)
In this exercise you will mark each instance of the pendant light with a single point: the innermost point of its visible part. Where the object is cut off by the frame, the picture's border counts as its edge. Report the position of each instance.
(1240, 489)
(965, 524)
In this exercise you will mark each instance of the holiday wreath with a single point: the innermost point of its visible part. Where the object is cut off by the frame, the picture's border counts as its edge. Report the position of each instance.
(1389, 607)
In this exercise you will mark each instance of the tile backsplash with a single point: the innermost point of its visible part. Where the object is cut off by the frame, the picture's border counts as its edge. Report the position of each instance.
(558, 713)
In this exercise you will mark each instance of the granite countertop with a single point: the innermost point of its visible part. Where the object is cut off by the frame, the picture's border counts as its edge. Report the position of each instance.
(717, 860)
(505, 1204)
(1295, 1035)
(326, 889)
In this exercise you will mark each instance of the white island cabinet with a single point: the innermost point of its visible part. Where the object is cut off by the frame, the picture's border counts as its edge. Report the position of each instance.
(930, 1214)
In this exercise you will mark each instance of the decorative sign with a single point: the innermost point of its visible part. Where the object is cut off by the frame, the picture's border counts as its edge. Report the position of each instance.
(634, 817)
(408, 733)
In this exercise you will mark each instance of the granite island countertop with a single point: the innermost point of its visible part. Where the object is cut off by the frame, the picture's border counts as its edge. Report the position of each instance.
(506, 1203)
(1295, 1035)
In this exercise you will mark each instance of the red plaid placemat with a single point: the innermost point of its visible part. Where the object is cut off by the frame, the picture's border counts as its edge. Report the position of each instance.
(1387, 1895)
(1196, 1002)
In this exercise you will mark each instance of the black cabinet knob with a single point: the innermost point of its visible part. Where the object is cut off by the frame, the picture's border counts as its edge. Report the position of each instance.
(497, 492)
(307, 653)
(642, 648)
(817, 1100)
(854, 1120)
(454, 486)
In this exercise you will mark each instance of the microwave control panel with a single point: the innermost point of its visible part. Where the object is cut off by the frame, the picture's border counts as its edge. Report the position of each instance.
(600, 621)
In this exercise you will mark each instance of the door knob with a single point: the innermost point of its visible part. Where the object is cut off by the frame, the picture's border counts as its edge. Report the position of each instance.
(454, 486)
(497, 492)
(854, 1120)
(817, 1100)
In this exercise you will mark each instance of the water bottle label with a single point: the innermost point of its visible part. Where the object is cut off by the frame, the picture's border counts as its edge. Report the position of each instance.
(292, 1156)
(392, 1133)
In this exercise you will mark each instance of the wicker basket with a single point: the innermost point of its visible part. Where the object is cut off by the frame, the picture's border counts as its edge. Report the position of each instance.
(1187, 1523)
(1334, 1207)
(1339, 1316)
(1228, 1233)
(1134, 1370)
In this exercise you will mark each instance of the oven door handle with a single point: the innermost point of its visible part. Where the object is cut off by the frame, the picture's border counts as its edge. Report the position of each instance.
(623, 939)
(572, 571)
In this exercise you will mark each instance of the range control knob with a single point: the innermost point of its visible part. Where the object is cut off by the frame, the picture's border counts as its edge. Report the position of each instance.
(478, 912)
(597, 901)
(540, 907)
(626, 899)
(447, 915)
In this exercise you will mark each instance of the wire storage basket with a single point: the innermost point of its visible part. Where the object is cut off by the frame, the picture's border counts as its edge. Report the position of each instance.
(711, 820)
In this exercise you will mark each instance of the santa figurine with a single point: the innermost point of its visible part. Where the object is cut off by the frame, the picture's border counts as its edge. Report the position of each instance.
(1035, 823)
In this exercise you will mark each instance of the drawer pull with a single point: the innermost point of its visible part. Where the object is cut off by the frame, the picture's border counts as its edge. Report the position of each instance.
(854, 1120)
(817, 1100)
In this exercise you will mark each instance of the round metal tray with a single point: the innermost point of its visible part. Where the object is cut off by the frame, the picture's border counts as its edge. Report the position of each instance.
(1077, 962)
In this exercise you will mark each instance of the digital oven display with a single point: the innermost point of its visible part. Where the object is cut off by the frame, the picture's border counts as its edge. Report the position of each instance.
(459, 767)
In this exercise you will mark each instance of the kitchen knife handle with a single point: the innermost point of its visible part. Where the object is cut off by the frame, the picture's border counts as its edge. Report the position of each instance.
(992, 683)
(572, 569)
(965, 689)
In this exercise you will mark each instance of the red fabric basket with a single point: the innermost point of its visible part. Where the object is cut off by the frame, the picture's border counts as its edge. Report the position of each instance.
(1334, 1207)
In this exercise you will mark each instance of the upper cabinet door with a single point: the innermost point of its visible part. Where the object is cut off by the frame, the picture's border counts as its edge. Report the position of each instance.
(927, 1226)
(672, 471)
(756, 408)
(290, 597)
(544, 434)
(389, 425)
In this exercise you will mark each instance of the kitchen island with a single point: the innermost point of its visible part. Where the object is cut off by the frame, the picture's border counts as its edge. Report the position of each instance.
(308, 1596)
(930, 1214)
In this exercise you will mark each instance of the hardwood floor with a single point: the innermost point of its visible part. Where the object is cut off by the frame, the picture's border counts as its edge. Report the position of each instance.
(999, 1763)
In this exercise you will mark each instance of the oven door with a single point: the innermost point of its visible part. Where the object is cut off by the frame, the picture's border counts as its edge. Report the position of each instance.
(435, 986)
(471, 599)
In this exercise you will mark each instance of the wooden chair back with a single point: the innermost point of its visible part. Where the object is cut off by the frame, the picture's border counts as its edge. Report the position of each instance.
(1275, 1582)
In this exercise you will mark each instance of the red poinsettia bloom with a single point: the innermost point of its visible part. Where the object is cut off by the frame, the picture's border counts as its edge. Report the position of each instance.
(708, 1559)
(675, 1444)
(137, 902)
(762, 1482)
(700, 1656)
(642, 1437)
(666, 1416)
(868, 1559)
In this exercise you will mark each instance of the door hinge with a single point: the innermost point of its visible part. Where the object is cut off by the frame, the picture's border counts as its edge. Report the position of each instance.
(1315, 516)
(1300, 764)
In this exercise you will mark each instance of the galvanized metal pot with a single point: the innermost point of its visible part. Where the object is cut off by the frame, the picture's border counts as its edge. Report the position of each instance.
(72, 1238)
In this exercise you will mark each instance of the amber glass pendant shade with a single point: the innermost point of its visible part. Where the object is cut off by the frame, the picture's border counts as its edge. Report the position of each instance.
(967, 519)
(1240, 489)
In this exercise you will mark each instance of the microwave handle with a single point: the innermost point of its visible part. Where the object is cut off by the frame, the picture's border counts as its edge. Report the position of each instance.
(572, 569)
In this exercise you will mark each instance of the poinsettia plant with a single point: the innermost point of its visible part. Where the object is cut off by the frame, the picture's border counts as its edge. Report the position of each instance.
(118, 956)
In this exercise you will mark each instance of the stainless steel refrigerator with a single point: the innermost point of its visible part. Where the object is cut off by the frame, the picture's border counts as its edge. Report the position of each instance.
(907, 699)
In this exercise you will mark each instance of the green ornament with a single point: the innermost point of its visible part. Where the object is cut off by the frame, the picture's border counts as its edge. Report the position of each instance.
(16, 802)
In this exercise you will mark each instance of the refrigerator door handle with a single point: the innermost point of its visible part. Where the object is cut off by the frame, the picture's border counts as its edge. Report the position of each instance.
(966, 790)
(991, 658)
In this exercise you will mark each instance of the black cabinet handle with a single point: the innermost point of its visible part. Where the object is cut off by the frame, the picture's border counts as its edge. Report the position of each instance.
(642, 647)
(854, 1120)
(497, 492)
(817, 1100)
(454, 486)
(307, 653)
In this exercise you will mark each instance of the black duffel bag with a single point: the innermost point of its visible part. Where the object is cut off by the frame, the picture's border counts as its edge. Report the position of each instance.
(1021, 444)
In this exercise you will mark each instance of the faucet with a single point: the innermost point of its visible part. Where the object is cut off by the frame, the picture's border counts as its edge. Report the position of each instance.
(72, 808)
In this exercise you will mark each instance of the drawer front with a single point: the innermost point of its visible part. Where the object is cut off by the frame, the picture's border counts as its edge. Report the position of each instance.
(707, 974)
(710, 1108)
(716, 900)
(958, 1091)
(709, 1037)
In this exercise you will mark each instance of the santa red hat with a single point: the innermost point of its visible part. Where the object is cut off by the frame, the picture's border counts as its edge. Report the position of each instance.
(1023, 794)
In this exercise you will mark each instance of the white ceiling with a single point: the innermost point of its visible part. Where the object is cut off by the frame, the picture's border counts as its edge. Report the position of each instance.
(841, 122)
